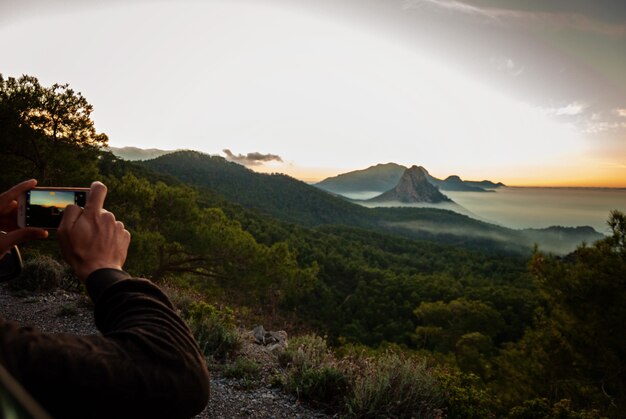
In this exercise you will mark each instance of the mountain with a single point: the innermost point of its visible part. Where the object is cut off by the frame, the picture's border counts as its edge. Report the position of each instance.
(277, 195)
(134, 153)
(485, 184)
(289, 200)
(379, 178)
(413, 187)
(455, 183)
(383, 177)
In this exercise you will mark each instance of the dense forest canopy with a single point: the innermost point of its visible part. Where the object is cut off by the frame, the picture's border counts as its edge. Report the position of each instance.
(531, 330)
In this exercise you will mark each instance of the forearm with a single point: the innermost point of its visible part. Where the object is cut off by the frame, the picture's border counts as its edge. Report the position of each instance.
(145, 364)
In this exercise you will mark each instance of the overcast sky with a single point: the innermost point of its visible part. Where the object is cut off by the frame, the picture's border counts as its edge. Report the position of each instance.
(527, 92)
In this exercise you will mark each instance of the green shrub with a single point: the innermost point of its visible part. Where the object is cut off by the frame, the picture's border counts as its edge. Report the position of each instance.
(463, 396)
(181, 298)
(394, 385)
(313, 374)
(242, 368)
(541, 409)
(40, 274)
(213, 329)
(324, 387)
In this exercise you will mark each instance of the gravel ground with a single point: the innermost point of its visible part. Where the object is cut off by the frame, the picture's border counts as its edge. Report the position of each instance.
(63, 312)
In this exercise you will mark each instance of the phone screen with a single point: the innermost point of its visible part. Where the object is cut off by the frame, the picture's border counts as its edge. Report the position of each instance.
(44, 207)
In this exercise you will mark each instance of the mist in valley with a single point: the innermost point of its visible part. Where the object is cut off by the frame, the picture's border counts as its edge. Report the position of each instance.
(518, 207)
(521, 207)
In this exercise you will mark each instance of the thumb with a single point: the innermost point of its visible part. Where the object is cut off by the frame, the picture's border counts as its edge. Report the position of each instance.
(20, 236)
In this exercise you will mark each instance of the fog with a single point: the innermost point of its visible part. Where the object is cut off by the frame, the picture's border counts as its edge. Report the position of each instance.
(518, 207)
(544, 207)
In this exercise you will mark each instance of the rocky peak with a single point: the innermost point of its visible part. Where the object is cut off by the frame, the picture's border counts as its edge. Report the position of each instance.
(413, 187)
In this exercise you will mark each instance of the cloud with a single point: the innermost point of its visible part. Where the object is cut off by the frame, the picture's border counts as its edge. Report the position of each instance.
(574, 108)
(571, 109)
(251, 159)
(566, 19)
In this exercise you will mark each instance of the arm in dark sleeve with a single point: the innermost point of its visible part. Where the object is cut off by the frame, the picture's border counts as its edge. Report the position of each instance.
(145, 363)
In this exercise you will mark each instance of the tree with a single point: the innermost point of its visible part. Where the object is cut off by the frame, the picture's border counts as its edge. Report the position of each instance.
(174, 236)
(46, 133)
(577, 348)
(442, 325)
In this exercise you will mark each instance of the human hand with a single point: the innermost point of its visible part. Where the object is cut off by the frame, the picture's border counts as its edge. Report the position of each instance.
(91, 238)
(8, 219)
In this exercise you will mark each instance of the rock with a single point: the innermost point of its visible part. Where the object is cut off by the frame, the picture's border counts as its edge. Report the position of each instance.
(273, 340)
(259, 335)
(413, 187)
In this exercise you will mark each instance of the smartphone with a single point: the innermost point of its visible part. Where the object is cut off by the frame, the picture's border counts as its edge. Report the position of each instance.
(43, 207)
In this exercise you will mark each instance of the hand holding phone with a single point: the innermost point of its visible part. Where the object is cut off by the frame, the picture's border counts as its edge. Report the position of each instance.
(44, 207)
(91, 238)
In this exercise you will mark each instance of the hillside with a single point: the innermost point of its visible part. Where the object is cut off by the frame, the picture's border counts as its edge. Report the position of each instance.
(289, 200)
(135, 153)
(277, 195)
(379, 178)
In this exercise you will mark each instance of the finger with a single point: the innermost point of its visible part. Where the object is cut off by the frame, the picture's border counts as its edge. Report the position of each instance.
(107, 216)
(6, 208)
(95, 198)
(70, 215)
(119, 225)
(13, 193)
(20, 236)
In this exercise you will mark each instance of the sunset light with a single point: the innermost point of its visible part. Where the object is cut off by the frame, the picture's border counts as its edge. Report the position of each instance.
(325, 93)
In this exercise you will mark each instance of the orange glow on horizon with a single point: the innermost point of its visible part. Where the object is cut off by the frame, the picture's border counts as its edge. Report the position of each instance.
(613, 177)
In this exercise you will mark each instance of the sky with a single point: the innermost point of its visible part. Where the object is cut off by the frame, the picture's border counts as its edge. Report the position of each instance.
(526, 92)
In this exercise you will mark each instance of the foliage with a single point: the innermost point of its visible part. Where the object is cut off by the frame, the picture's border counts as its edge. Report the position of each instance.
(243, 369)
(213, 329)
(394, 385)
(541, 409)
(576, 349)
(442, 325)
(313, 375)
(173, 235)
(463, 395)
(40, 274)
(46, 133)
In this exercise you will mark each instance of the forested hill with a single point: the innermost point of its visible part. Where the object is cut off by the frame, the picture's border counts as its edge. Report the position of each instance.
(277, 195)
(290, 200)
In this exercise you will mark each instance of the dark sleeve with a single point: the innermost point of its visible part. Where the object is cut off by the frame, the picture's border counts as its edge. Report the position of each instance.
(145, 364)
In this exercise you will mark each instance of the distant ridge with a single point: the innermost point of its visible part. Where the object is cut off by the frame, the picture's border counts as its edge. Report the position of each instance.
(455, 183)
(413, 187)
(379, 178)
(135, 153)
(383, 177)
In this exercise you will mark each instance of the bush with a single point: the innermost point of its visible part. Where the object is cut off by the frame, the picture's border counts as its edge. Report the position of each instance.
(541, 409)
(313, 373)
(242, 368)
(40, 274)
(213, 329)
(394, 385)
(463, 396)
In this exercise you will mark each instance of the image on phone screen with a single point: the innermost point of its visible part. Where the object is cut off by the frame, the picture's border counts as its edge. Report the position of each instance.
(44, 208)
